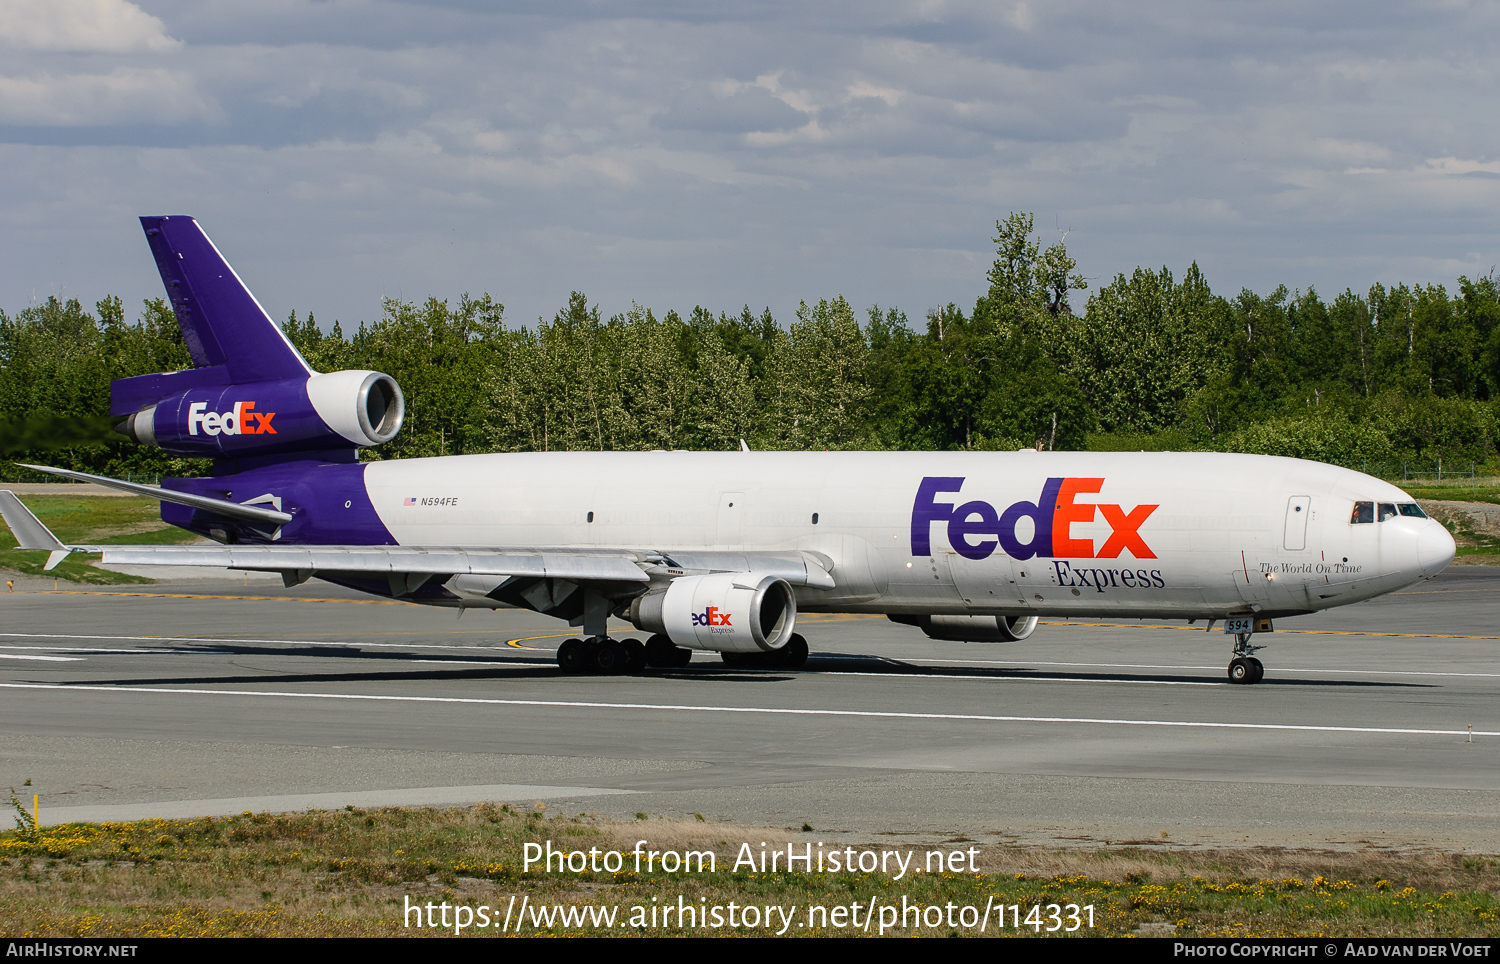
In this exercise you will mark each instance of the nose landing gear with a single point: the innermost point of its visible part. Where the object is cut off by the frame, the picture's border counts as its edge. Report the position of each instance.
(1244, 667)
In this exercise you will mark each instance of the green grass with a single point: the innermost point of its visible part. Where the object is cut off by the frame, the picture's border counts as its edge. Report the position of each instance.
(91, 520)
(349, 872)
(1461, 490)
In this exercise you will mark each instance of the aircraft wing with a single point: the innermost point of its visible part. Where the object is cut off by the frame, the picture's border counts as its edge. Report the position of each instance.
(297, 563)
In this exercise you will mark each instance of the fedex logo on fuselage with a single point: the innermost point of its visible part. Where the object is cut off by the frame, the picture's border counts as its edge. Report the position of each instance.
(1052, 518)
(241, 420)
(714, 618)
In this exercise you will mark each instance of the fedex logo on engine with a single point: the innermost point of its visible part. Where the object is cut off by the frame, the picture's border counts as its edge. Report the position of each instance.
(241, 420)
(1052, 518)
(712, 617)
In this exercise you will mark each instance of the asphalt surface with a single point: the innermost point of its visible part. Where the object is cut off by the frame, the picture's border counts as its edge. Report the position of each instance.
(216, 698)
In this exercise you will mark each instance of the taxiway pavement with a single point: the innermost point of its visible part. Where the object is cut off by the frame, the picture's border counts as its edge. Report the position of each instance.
(178, 700)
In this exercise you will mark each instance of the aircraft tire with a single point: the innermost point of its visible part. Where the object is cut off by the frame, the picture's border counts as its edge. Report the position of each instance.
(1257, 669)
(734, 659)
(1240, 670)
(611, 658)
(573, 657)
(793, 654)
(660, 652)
(635, 655)
(682, 657)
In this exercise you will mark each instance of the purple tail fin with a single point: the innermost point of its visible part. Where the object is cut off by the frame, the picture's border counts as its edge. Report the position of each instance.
(220, 318)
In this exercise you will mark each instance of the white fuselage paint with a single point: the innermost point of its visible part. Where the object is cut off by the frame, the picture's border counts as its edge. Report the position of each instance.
(1228, 534)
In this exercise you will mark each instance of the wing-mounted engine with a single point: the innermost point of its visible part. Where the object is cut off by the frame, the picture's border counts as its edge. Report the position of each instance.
(727, 612)
(971, 629)
(309, 413)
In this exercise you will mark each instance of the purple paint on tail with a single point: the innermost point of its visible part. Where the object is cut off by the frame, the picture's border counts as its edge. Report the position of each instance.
(220, 319)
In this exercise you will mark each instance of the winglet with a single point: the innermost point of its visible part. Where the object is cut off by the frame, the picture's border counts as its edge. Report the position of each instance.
(29, 531)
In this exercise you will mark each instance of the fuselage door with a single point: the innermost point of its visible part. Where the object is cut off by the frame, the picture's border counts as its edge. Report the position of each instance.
(1298, 508)
(986, 584)
(727, 532)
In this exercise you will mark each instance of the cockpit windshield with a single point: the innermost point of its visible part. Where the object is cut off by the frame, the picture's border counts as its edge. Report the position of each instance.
(1368, 512)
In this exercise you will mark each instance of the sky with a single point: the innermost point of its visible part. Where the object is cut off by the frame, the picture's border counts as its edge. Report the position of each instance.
(673, 153)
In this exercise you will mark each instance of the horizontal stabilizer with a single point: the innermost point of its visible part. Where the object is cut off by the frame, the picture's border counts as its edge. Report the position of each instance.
(253, 513)
(27, 528)
(29, 531)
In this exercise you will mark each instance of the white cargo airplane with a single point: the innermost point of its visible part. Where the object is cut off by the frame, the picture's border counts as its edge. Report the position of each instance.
(719, 551)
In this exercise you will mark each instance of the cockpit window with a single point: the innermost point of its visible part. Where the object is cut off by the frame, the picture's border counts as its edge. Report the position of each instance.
(1412, 509)
(1387, 511)
(1363, 512)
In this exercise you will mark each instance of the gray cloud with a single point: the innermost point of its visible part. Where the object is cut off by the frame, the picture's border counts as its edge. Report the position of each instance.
(677, 153)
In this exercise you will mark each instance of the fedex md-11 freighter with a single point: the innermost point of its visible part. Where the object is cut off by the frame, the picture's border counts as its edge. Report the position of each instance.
(715, 551)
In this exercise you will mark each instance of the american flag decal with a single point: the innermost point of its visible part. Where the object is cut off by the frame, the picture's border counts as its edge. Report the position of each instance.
(410, 501)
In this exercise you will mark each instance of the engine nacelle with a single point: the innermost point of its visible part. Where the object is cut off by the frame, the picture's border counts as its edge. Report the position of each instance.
(972, 629)
(728, 612)
(360, 408)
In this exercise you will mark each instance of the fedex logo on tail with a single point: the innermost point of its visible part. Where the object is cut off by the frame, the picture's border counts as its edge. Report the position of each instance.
(976, 529)
(241, 420)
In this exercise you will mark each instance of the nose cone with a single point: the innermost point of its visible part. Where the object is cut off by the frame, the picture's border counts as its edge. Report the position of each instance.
(1435, 548)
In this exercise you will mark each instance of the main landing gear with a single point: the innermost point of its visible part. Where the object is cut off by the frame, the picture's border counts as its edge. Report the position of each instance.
(601, 654)
(1244, 667)
(789, 656)
(610, 657)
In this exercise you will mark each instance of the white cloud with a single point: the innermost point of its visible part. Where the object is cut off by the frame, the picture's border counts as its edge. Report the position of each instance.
(126, 95)
(95, 26)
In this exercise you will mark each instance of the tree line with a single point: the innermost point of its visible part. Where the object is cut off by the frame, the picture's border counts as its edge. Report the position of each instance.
(1410, 372)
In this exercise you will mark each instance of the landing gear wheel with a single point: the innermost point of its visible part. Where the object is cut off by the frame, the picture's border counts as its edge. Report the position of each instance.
(635, 655)
(610, 657)
(1245, 668)
(660, 652)
(735, 659)
(793, 654)
(573, 657)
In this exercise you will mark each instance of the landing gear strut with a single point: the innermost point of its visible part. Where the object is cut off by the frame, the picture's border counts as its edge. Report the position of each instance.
(1244, 667)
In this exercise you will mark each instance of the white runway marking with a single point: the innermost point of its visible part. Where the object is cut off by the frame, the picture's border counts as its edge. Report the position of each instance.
(222, 640)
(752, 710)
(132, 652)
(50, 659)
(919, 660)
(1015, 679)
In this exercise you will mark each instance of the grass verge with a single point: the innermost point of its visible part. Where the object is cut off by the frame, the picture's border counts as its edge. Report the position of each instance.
(351, 872)
(91, 521)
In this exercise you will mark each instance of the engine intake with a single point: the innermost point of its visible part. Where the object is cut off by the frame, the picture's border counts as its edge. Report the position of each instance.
(727, 612)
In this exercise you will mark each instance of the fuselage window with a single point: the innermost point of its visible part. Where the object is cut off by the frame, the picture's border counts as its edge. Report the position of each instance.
(1387, 511)
(1412, 509)
(1363, 512)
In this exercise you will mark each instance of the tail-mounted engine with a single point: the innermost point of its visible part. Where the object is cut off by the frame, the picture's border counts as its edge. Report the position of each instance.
(249, 392)
(728, 612)
(309, 413)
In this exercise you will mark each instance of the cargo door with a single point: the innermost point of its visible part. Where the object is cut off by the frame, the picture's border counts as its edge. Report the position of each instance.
(731, 513)
(1294, 535)
(986, 584)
